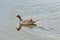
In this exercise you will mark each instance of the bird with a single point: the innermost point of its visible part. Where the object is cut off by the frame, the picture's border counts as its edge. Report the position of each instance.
(28, 22)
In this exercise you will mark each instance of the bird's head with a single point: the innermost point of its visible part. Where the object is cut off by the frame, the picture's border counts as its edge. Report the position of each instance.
(18, 16)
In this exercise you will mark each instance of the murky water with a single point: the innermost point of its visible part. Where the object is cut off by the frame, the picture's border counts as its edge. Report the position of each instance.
(48, 27)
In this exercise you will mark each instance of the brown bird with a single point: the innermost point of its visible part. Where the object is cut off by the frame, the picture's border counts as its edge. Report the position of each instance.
(28, 22)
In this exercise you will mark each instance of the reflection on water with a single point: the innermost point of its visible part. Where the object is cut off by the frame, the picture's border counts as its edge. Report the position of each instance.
(45, 10)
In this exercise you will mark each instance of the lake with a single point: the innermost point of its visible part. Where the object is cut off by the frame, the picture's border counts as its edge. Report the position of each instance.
(47, 11)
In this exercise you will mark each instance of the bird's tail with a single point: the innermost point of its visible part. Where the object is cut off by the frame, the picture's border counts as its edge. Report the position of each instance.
(37, 20)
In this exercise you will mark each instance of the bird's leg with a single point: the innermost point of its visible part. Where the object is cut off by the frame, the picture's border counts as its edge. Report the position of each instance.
(33, 24)
(19, 28)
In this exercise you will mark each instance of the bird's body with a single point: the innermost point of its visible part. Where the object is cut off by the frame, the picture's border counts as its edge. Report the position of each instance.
(26, 22)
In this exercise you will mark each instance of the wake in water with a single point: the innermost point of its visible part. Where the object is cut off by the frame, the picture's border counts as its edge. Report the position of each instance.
(43, 28)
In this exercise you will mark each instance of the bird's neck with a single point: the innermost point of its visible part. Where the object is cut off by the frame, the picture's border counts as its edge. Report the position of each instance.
(20, 18)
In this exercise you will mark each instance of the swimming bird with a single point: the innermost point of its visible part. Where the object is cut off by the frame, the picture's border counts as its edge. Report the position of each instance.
(28, 22)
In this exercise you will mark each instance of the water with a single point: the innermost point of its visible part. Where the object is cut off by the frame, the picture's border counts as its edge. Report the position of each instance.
(45, 10)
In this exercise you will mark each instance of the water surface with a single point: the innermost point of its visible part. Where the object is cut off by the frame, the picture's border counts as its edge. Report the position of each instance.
(45, 10)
